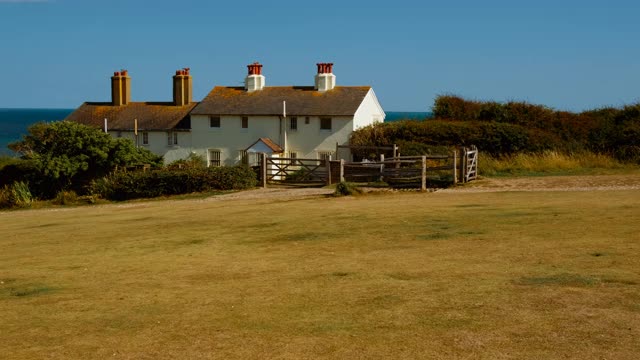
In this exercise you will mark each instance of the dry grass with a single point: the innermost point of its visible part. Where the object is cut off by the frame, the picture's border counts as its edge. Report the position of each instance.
(552, 163)
(399, 276)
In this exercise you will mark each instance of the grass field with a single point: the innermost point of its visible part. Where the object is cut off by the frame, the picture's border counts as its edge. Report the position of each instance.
(500, 275)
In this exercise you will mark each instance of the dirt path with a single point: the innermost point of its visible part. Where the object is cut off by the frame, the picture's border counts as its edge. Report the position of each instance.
(552, 183)
(543, 183)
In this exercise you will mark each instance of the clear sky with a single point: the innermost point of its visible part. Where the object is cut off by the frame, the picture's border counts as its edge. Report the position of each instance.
(570, 55)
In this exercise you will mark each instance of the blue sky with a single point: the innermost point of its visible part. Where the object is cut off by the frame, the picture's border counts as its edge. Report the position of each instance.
(570, 55)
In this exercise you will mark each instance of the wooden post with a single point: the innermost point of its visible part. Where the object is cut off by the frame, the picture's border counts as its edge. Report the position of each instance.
(455, 168)
(327, 163)
(338, 148)
(381, 167)
(395, 150)
(341, 170)
(263, 168)
(423, 186)
(464, 165)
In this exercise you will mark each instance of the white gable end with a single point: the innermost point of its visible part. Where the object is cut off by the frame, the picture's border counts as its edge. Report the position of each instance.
(368, 112)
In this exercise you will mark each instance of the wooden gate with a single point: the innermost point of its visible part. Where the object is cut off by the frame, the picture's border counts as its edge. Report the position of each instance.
(294, 170)
(469, 164)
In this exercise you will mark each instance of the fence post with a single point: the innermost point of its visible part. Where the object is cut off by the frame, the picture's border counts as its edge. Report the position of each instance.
(455, 168)
(341, 170)
(462, 164)
(395, 150)
(423, 186)
(327, 162)
(263, 169)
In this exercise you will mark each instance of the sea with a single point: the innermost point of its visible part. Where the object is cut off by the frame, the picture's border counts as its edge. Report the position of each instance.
(15, 122)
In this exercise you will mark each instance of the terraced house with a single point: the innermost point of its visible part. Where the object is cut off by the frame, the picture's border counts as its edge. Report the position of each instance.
(232, 124)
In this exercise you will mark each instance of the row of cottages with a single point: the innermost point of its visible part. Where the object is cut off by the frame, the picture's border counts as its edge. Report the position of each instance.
(232, 124)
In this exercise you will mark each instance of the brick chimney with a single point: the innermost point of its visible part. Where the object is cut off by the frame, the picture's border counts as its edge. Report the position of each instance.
(120, 88)
(255, 80)
(182, 87)
(325, 80)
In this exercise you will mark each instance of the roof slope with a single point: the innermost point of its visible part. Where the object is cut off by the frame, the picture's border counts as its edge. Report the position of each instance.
(150, 115)
(301, 100)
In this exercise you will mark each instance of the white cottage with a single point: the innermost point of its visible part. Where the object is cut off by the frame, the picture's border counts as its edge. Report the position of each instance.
(232, 123)
(295, 121)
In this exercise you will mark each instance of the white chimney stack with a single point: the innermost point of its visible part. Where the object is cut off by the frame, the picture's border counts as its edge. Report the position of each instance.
(255, 80)
(325, 80)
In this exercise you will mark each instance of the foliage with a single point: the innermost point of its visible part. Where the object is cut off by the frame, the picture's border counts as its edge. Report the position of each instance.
(133, 185)
(346, 189)
(68, 155)
(504, 129)
(15, 195)
(613, 131)
(194, 161)
(65, 198)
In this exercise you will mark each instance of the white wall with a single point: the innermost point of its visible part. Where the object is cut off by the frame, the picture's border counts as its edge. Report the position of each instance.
(230, 138)
(159, 144)
(309, 139)
(369, 111)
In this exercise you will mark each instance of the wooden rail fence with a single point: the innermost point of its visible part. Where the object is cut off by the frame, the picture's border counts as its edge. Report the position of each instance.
(399, 171)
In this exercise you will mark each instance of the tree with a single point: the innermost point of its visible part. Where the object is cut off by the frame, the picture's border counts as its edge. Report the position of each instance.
(69, 155)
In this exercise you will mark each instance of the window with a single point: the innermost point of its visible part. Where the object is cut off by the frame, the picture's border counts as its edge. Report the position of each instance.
(243, 157)
(245, 122)
(172, 138)
(325, 123)
(214, 158)
(293, 124)
(323, 155)
(307, 120)
(214, 121)
(145, 138)
(293, 155)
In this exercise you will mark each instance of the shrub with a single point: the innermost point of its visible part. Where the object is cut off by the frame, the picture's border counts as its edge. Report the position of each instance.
(15, 195)
(133, 185)
(194, 161)
(346, 189)
(65, 198)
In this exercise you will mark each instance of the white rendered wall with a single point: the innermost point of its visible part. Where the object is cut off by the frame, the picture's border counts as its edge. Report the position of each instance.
(159, 144)
(309, 139)
(368, 112)
(230, 137)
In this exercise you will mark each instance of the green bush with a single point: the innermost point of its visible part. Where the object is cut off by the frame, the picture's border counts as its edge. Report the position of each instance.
(133, 185)
(15, 195)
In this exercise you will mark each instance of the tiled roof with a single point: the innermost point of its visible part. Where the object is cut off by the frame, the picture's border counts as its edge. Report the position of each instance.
(300, 101)
(269, 143)
(150, 115)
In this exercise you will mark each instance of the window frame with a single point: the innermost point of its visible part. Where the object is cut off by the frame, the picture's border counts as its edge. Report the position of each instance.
(293, 123)
(213, 119)
(322, 155)
(211, 160)
(172, 138)
(323, 123)
(145, 138)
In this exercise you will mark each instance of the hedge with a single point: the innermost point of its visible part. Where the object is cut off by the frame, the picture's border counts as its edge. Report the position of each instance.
(133, 185)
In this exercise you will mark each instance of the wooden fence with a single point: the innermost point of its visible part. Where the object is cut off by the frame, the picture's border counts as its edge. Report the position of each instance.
(400, 171)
